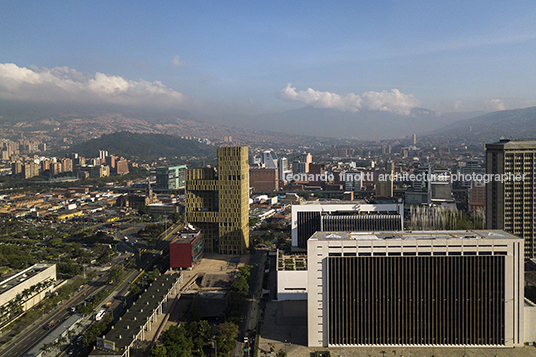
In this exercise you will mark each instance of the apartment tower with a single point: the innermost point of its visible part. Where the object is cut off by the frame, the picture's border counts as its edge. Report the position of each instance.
(218, 203)
(511, 205)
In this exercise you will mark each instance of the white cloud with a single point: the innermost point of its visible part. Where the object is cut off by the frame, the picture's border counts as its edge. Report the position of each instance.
(495, 105)
(176, 61)
(393, 101)
(63, 84)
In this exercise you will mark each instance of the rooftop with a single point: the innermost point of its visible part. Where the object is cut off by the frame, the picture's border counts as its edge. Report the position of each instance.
(17, 277)
(413, 235)
(186, 236)
(129, 325)
(514, 143)
(287, 261)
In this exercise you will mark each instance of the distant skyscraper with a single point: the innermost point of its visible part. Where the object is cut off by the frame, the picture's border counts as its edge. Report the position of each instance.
(269, 159)
(384, 184)
(511, 205)
(170, 177)
(414, 139)
(301, 163)
(421, 191)
(283, 168)
(219, 205)
(471, 166)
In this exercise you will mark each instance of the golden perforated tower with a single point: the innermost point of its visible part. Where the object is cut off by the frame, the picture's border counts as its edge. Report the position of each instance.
(219, 205)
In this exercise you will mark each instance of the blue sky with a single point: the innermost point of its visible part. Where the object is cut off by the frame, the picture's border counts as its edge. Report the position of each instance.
(240, 56)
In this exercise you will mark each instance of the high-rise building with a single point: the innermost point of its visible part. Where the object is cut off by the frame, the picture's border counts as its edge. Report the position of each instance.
(384, 182)
(510, 203)
(170, 177)
(269, 160)
(121, 167)
(111, 161)
(67, 165)
(283, 168)
(30, 169)
(476, 196)
(438, 288)
(219, 204)
(472, 166)
(421, 190)
(301, 163)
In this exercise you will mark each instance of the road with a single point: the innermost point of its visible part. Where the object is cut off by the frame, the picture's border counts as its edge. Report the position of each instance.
(36, 331)
(252, 308)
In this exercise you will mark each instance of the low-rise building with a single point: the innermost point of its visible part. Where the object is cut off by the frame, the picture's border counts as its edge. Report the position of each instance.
(24, 289)
(186, 249)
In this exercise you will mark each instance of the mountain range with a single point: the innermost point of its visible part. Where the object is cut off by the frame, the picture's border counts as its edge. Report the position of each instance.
(511, 124)
(307, 125)
(360, 125)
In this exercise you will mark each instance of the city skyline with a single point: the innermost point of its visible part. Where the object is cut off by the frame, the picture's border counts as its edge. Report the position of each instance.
(224, 61)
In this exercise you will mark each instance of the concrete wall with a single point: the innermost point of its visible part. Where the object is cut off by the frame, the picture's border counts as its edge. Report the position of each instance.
(292, 285)
(530, 321)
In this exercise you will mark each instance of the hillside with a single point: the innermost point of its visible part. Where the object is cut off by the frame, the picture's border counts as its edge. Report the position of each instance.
(361, 125)
(512, 124)
(143, 146)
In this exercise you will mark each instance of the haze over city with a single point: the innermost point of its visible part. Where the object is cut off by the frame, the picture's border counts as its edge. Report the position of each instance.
(229, 62)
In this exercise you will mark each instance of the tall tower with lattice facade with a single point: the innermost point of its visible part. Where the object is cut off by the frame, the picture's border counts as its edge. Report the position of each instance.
(218, 202)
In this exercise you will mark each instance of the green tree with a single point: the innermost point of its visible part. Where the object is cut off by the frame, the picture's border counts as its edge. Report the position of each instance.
(240, 287)
(144, 210)
(54, 242)
(199, 332)
(159, 351)
(177, 342)
(226, 333)
(115, 273)
(175, 217)
(134, 290)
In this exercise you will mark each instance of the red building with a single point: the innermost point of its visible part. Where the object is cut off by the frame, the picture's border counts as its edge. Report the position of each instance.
(186, 249)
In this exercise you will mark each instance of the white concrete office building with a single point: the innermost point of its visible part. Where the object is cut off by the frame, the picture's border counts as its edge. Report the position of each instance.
(434, 288)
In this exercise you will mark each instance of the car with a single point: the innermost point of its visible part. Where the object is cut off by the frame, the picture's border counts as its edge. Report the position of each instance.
(79, 338)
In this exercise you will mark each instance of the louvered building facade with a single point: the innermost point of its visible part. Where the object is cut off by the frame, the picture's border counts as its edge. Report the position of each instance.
(349, 217)
(449, 288)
